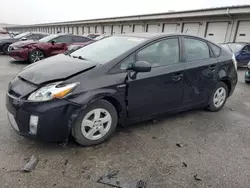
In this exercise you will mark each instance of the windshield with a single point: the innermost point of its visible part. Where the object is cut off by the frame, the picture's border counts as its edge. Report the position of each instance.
(107, 49)
(21, 35)
(235, 47)
(48, 38)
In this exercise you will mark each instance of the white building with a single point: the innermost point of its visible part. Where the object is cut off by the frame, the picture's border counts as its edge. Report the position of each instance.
(224, 24)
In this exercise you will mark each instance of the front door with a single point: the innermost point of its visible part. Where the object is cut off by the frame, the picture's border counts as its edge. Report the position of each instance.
(201, 70)
(161, 89)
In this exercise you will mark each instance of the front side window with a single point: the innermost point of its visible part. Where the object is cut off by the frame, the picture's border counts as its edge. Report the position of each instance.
(196, 49)
(127, 62)
(162, 53)
(246, 49)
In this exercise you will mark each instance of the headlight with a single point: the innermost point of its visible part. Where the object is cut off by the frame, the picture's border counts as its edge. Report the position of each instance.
(51, 91)
(16, 48)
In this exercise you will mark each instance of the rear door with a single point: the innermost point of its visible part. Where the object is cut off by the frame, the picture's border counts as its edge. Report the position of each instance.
(200, 75)
(161, 89)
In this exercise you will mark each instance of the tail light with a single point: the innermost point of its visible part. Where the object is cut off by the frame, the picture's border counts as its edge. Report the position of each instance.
(235, 62)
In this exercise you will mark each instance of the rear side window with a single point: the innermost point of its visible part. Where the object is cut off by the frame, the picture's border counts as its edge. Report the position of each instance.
(216, 50)
(64, 39)
(81, 39)
(196, 49)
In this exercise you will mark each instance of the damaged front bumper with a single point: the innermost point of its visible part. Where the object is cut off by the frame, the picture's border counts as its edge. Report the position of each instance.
(48, 121)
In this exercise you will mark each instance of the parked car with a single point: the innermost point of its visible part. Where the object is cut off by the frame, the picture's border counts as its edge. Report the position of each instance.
(247, 73)
(118, 80)
(101, 37)
(93, 36)
(241, 52)
(7, 41)
(48, 46)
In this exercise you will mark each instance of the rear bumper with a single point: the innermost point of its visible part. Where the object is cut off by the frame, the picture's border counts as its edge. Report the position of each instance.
(22, 54)
(54, 118)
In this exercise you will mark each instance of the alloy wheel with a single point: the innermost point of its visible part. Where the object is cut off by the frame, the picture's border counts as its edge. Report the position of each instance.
(96, 124)
(36, 55)
(219, 97)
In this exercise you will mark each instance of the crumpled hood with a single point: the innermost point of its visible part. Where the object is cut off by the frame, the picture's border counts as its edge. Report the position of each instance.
(58, 67)
(23, 43)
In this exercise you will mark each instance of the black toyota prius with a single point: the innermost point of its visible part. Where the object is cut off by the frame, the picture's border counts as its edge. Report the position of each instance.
(118, 80)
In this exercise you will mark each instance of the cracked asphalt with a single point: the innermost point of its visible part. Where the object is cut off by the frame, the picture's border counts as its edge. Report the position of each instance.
(215, 146)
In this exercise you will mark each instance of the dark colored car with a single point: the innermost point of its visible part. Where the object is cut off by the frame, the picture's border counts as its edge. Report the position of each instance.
(118, 80)
(241, 52)
(7, 41)
(247, 73)
(48, 46)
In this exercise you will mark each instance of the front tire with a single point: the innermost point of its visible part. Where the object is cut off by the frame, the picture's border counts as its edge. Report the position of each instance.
(36, 55)
(5, 49)
(95, 124)
(218, 97)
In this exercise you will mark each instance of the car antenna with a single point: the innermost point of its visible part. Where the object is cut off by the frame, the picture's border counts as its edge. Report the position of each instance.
(33, 35)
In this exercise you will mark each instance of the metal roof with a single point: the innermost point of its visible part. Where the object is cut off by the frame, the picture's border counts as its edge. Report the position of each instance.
(228, 10)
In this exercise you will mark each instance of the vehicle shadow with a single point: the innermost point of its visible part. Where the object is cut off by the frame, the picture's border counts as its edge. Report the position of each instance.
(19, 62)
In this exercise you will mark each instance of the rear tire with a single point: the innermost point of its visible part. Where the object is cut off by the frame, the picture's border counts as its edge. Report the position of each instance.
(218, 97)
(36, 55)
(246, 81)
(95, 124)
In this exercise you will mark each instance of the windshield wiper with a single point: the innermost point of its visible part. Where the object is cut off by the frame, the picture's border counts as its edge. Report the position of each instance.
(79, 57)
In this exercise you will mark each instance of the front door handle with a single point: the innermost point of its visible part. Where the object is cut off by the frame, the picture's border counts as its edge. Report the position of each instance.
(177, 77)
(212, 67)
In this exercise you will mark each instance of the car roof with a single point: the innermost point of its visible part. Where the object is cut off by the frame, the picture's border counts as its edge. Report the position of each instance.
(244, 43)
(157, 35)
(38, 33)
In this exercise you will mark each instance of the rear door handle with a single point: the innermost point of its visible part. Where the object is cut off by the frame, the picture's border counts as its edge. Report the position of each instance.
(177, 77)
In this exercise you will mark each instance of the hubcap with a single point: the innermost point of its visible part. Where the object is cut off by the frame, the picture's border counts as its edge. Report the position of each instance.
(96, 124)
(219, 97)
(36, 56)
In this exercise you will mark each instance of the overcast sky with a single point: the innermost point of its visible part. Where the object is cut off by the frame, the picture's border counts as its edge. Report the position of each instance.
(43, 11)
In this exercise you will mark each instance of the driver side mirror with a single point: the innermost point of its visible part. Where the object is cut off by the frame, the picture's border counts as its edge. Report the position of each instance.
(24, 38)
(140, 66)
(53, 42)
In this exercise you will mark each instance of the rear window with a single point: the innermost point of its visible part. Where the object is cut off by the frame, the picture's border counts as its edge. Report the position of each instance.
(216, 49)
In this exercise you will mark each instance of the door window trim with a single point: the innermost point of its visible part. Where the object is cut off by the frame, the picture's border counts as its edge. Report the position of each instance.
(117, 70)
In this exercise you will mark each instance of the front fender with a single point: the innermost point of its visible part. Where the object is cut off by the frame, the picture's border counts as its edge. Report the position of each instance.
(85, 99)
